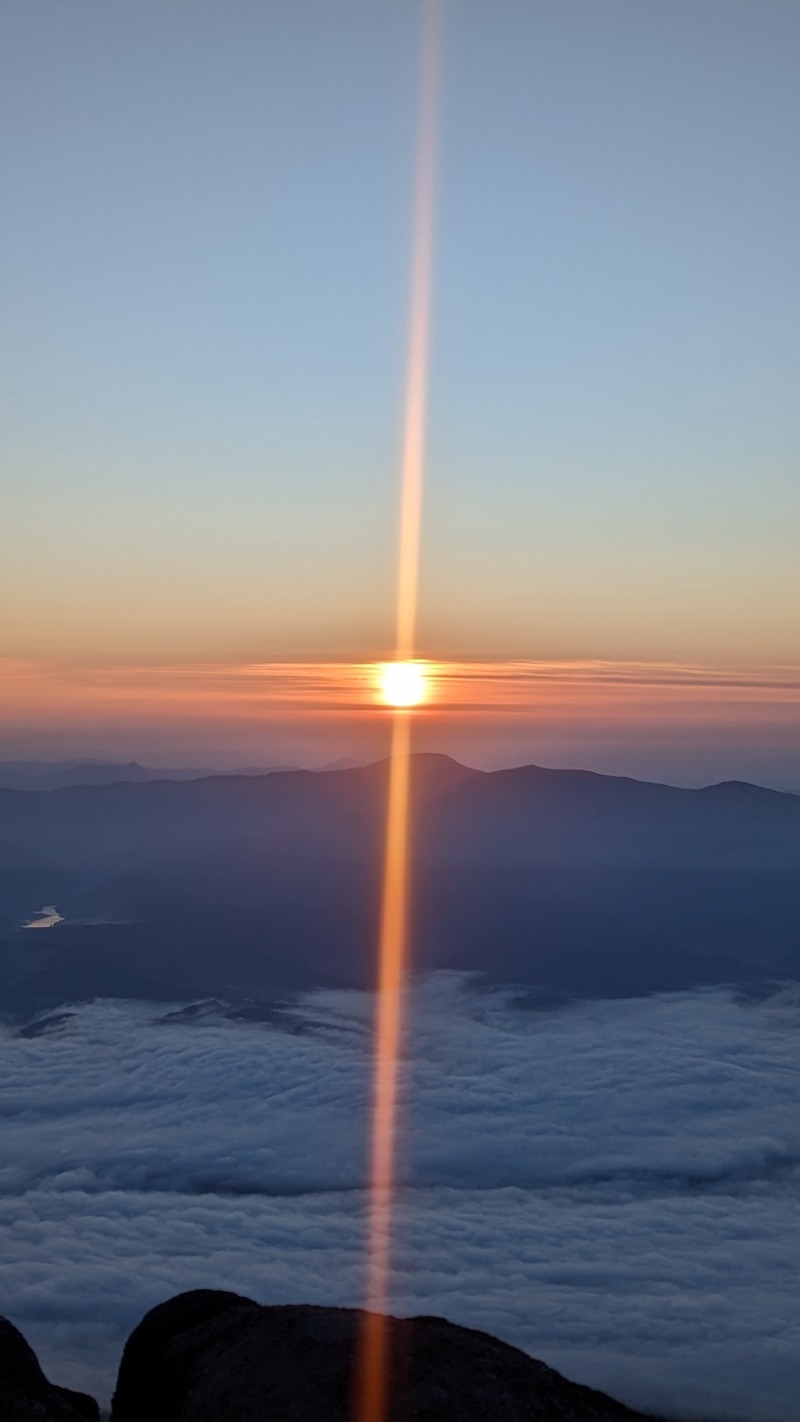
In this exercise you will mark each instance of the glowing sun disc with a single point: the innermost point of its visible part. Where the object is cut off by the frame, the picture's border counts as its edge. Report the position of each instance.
(403, 683)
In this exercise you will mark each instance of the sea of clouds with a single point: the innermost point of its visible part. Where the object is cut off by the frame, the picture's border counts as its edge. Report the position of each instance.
(613, 1186)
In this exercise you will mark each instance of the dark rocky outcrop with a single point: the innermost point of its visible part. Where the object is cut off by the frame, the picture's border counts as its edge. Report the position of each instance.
(208, 1356)
(25, 1393)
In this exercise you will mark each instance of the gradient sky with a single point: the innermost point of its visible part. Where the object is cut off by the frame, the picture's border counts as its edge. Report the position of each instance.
(205, 286)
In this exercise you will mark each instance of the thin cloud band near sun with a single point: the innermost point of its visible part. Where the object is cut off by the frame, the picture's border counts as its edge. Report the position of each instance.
(49, 691)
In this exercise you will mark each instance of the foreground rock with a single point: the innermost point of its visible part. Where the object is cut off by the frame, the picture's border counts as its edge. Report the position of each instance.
(25, 1393)
(208, 1356)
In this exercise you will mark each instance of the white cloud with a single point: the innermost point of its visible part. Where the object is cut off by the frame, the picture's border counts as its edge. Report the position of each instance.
(612, 1187)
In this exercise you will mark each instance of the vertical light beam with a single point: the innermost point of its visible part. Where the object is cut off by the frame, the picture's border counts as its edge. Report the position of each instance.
(413, 460)
(375, 1339)
(372, 1395)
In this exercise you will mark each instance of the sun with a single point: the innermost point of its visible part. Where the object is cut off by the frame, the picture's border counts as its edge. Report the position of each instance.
(403, 683)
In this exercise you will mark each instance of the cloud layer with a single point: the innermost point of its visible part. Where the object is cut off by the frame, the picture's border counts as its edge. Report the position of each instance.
(612, 1187)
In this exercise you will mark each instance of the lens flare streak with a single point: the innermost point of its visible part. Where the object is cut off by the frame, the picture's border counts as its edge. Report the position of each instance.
(374, 1369)
(393, 933)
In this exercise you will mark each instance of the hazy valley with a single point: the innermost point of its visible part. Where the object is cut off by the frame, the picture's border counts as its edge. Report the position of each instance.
(568, 883)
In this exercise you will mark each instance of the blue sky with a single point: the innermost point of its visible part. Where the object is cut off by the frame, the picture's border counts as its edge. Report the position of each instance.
(206, 280)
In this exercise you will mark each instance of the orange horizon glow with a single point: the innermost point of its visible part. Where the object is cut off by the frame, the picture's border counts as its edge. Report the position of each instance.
(62, 694)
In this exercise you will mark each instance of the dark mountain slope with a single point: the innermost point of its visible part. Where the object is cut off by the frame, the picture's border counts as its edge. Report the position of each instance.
(574, 883)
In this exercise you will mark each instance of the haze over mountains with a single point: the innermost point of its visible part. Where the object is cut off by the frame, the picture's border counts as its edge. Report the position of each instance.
(247, 888)
(54, 774)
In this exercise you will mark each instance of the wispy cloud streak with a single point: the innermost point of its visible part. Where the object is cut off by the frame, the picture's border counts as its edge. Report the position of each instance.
(50, 688)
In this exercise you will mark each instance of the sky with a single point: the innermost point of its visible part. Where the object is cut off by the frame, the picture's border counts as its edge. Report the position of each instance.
(609, 1187)
(206, 285)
